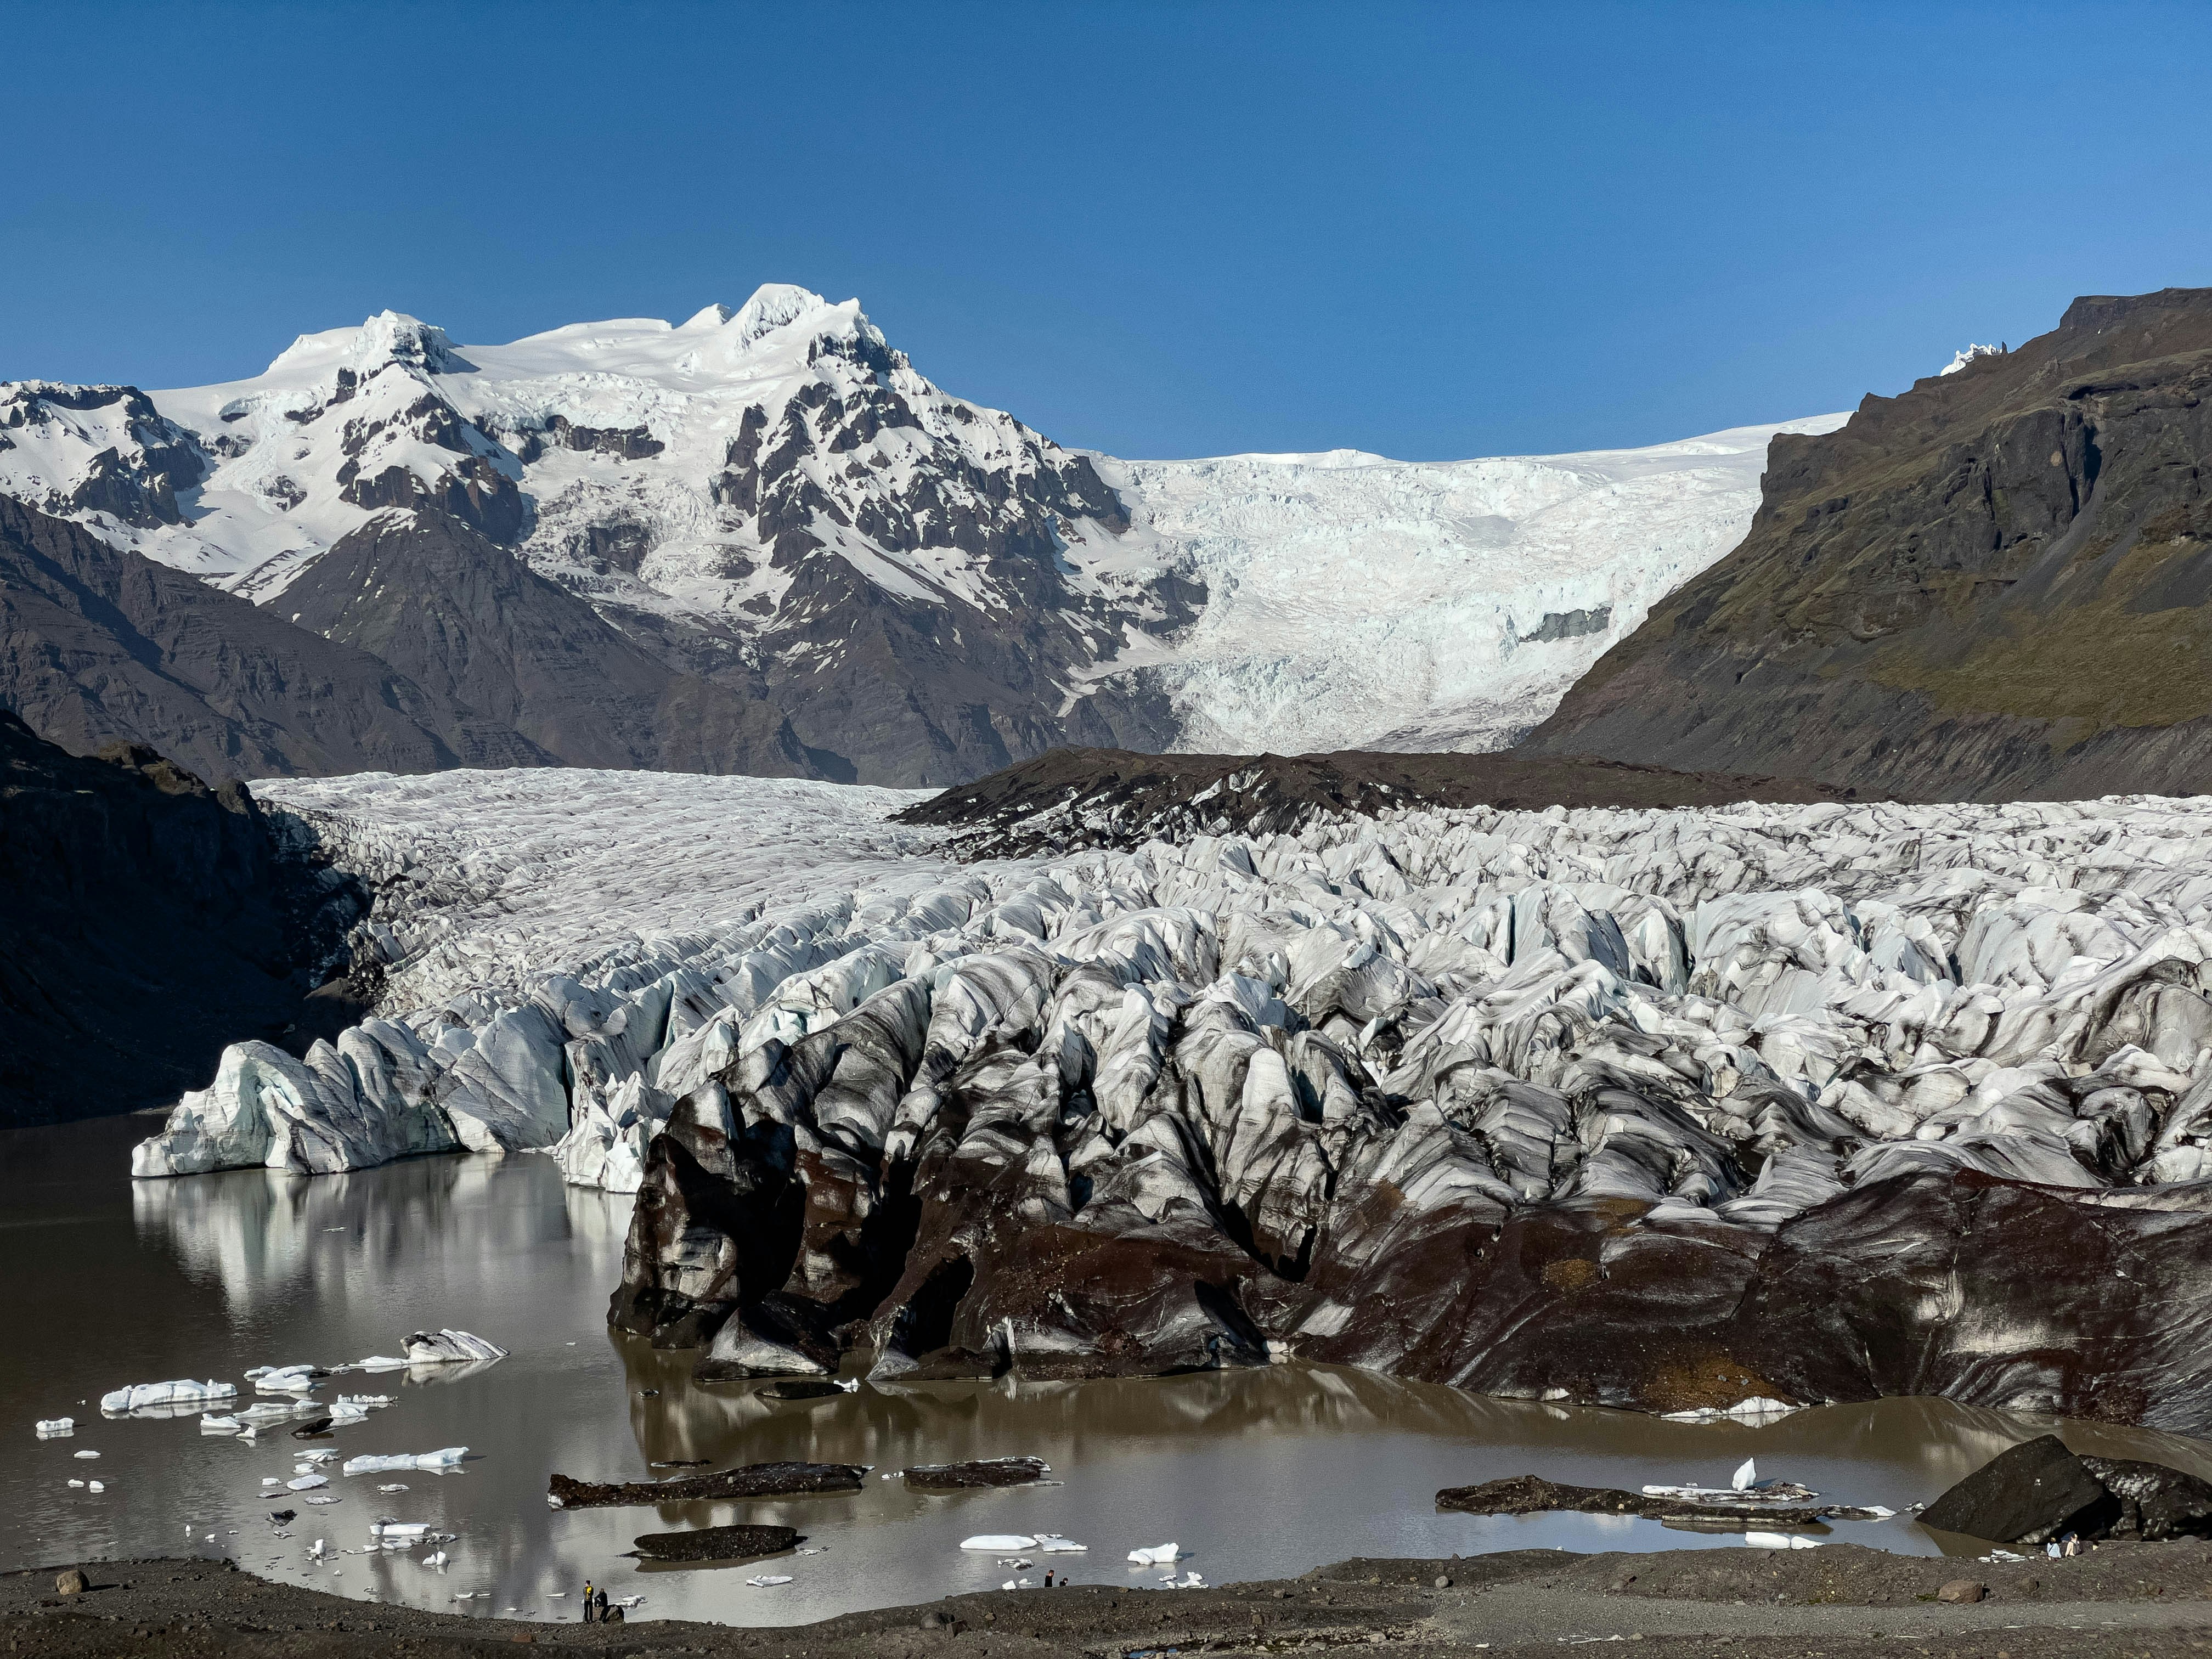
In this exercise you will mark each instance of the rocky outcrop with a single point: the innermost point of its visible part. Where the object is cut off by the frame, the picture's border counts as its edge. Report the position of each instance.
(427, 594)
(99, 645)
(1992, 585)
(146, 920)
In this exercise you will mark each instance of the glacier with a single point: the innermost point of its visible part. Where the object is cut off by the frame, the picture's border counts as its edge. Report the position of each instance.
(1258, 1094)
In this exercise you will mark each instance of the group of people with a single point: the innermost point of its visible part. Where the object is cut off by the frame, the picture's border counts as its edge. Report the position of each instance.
(596, 1611)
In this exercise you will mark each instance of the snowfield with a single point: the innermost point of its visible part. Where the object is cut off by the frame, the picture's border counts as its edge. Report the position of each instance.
(1361, 603)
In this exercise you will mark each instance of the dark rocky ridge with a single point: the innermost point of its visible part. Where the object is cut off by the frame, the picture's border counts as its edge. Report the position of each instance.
(1996, 585)
(1074, 797)
(145, 920)
(100, 645)
(441, 604)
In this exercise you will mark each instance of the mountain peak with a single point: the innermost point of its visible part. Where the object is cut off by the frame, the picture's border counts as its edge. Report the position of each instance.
(772, 305)
(389, 337)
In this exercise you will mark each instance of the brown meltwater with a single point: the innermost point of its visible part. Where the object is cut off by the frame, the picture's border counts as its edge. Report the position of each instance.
(1258, 1473)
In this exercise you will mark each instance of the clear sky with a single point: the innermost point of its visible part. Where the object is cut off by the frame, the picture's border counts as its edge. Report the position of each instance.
(1155, 230)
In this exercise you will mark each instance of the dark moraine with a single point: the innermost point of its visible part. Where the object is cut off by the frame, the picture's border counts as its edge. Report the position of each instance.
(986, 1472)
(1075, 797)
(753, 1480)
(1529, 1494)
(717, 1543)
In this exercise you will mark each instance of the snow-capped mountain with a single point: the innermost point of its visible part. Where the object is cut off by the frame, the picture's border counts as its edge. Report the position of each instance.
(774, 500)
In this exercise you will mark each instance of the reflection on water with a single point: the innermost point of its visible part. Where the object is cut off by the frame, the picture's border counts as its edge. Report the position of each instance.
(1257, 1473)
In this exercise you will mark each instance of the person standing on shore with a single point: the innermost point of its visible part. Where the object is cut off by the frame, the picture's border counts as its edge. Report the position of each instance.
(590, 1610)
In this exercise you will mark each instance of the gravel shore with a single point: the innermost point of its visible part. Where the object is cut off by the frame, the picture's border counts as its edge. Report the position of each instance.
(1838, 1599)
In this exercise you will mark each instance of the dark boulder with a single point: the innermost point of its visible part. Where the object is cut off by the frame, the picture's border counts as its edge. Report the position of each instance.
(2027, 1495)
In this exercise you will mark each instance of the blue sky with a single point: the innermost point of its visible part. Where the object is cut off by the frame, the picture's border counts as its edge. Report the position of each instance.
(1156, 230)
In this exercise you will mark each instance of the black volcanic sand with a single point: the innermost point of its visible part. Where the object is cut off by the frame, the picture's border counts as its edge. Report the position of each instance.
(1841, 1598)
(1111, 796)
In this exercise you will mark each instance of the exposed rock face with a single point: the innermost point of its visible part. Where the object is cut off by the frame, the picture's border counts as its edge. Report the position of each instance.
(1991, 586)
(427, 594)
(145, 920)
(100, 645)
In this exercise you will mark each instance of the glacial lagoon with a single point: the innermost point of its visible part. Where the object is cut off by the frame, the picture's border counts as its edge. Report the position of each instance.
(1256, 1473)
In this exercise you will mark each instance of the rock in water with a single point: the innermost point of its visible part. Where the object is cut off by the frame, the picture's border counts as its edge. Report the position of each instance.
(754, 1480)
(989, 1472)
(1529, 1494)
(716, 1543)
(2026, 1495)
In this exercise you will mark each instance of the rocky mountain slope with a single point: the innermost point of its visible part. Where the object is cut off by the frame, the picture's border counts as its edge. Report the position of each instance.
(145, 921)
(1999, 584)
(912, 589)
(1678, 1109)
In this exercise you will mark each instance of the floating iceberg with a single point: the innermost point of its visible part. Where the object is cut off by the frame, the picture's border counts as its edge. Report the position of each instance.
(285, 1379)
(1160, 1555)
(183, 1392)
(1000, 1543)
(49, 1427)
(1778, 1540)
(1745, 1477)
(449, 1346)
(766, 1580)
(435, 1558)
(436, 1462)
(410, 1530)
(1758, 1409)
(1052, 1544)
(308, 1482)
(211, 1424)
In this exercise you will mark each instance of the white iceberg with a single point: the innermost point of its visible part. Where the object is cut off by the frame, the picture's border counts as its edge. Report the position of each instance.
(1000, 1543)
(1778, 1540)
(85, 1454)
(308, 1482)
(435, 1558)
(445, 1348)
(50, 1426)
(1052, 1544)
(182, 1392)
(285, 1379)
(1160, 1555)
(764, 1581)
(211, 1424)
(1745, 1478)
(398, 1528)
(437, 1462)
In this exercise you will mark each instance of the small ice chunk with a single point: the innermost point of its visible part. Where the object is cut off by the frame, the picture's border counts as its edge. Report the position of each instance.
(435, 1558)
(1743, 1479)
(437, 1462)
(1052, 1544)
(49, 1427)
(79, 1485)
(180, 1392)
(449, 1346)
(1158, 1555)
(212, 1424)
(95, 1486)
(998, 1543)
(395, 1486)
(398, 1528)
(1778, 1540)
(308, 1482)
(761, 1581)
(86, 1453)
(285, 1379)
